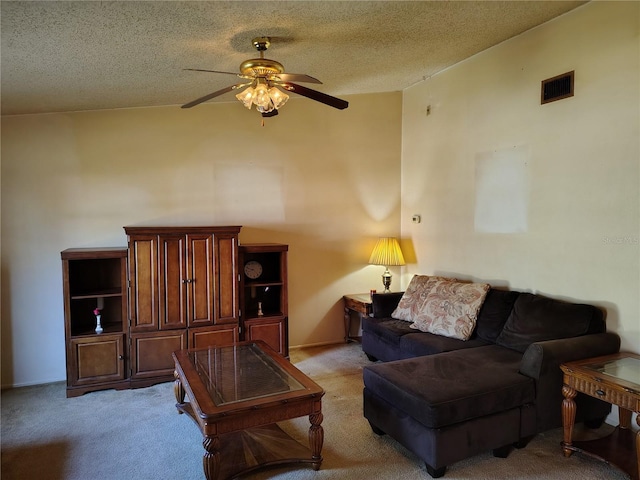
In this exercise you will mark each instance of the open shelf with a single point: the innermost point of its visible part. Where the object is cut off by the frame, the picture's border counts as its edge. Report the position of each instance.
(91, 330)
(90, 277)
(107, 292)
(84, 321)
(268, 295)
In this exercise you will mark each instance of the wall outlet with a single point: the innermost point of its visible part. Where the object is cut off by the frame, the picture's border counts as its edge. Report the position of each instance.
(416, 219)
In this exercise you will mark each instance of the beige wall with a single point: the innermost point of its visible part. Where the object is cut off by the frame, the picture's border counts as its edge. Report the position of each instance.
(578, 160)
(328, 182)
(324, 181)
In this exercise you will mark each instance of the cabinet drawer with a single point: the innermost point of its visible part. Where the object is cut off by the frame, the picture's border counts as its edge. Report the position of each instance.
(96, 359)
(613, 394)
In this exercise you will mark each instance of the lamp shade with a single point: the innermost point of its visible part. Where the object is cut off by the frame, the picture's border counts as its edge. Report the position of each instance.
(387, 252)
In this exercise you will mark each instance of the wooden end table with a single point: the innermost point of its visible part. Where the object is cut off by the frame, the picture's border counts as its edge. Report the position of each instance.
(236, 395)
(614, 379)
(359, 303)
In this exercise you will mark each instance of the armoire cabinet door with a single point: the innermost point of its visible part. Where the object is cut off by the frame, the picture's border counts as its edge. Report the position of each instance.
(227, 271)
(173, 282)
(200, 280)
(151, 353)
(143, 278)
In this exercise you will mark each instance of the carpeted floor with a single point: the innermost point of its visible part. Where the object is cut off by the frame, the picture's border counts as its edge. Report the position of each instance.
(137, 434)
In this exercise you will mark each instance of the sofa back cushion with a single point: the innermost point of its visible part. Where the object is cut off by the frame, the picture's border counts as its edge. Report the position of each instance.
(494, 313)
(451, 309)
(535, 318)
(414, 296)
(383, 304)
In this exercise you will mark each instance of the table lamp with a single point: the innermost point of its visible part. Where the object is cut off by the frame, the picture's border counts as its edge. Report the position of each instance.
(386, 253)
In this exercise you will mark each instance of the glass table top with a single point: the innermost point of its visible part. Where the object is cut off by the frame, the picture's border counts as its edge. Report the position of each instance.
(237, 373)
(627, 369)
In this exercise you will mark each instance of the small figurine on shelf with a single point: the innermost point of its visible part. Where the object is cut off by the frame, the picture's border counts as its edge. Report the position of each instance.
(96, 312)
(260, 314)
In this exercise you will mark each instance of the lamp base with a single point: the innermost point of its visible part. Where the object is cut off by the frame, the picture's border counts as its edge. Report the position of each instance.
(386, 281)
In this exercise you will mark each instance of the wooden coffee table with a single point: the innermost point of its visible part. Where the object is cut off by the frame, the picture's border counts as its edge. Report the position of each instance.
(236, 395)
(614, 379)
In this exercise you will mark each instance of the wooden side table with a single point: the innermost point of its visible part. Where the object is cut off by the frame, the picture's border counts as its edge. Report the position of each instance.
(359, 303)
(614, 379)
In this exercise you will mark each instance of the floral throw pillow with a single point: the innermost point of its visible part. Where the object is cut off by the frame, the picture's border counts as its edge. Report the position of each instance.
(415, 295)
(451, 309)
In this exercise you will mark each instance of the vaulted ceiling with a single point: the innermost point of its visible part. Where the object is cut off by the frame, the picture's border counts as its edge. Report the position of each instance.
(62, 56)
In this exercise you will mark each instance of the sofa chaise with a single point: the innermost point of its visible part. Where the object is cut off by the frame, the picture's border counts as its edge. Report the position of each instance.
(468, 368)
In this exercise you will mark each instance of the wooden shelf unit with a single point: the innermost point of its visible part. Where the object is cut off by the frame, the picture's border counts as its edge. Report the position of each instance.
(170, 289)
(264, 300)
(95, 278)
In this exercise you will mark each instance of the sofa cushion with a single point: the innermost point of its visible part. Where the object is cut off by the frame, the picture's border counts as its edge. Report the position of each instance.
(535, 318)
(494, 313)
(387, 329)
(414, 296)
(452, 387)
(383, 304)
(451, 309)
(421, 343)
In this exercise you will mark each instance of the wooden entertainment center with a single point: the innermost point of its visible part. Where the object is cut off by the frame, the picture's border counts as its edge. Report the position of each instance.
(171, 289)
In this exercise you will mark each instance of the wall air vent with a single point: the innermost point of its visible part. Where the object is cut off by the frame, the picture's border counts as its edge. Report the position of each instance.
(557, 88)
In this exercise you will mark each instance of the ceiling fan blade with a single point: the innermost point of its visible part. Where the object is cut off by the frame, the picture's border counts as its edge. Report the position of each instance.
(297, 77)
(210, 71)
(211, 95)
(315, 95)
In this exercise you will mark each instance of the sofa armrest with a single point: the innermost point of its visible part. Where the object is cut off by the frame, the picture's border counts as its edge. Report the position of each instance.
(541, 361)
(542, 358)
(383, 304)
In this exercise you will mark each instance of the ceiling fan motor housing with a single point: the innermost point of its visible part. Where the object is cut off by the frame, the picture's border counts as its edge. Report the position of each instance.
(261, 67)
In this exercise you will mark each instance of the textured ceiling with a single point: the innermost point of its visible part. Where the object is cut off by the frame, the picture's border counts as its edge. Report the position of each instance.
(86, 55)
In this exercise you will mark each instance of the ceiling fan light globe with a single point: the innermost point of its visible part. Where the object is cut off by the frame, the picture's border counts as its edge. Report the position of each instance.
(261, 97)
(278, 97)
(246, 97)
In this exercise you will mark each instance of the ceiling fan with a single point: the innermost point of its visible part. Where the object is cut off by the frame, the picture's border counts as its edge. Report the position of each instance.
(264, 79)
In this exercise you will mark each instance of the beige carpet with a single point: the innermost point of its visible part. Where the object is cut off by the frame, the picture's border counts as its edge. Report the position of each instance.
(137, 434)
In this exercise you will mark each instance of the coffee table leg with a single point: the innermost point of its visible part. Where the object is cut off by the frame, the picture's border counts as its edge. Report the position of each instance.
(178, 389)
(316, 439)
(568, 418)
(211, 458)
(638, 442)
(624, 417)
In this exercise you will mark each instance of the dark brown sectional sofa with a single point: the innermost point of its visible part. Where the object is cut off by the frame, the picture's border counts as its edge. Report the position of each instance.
(447, 399)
